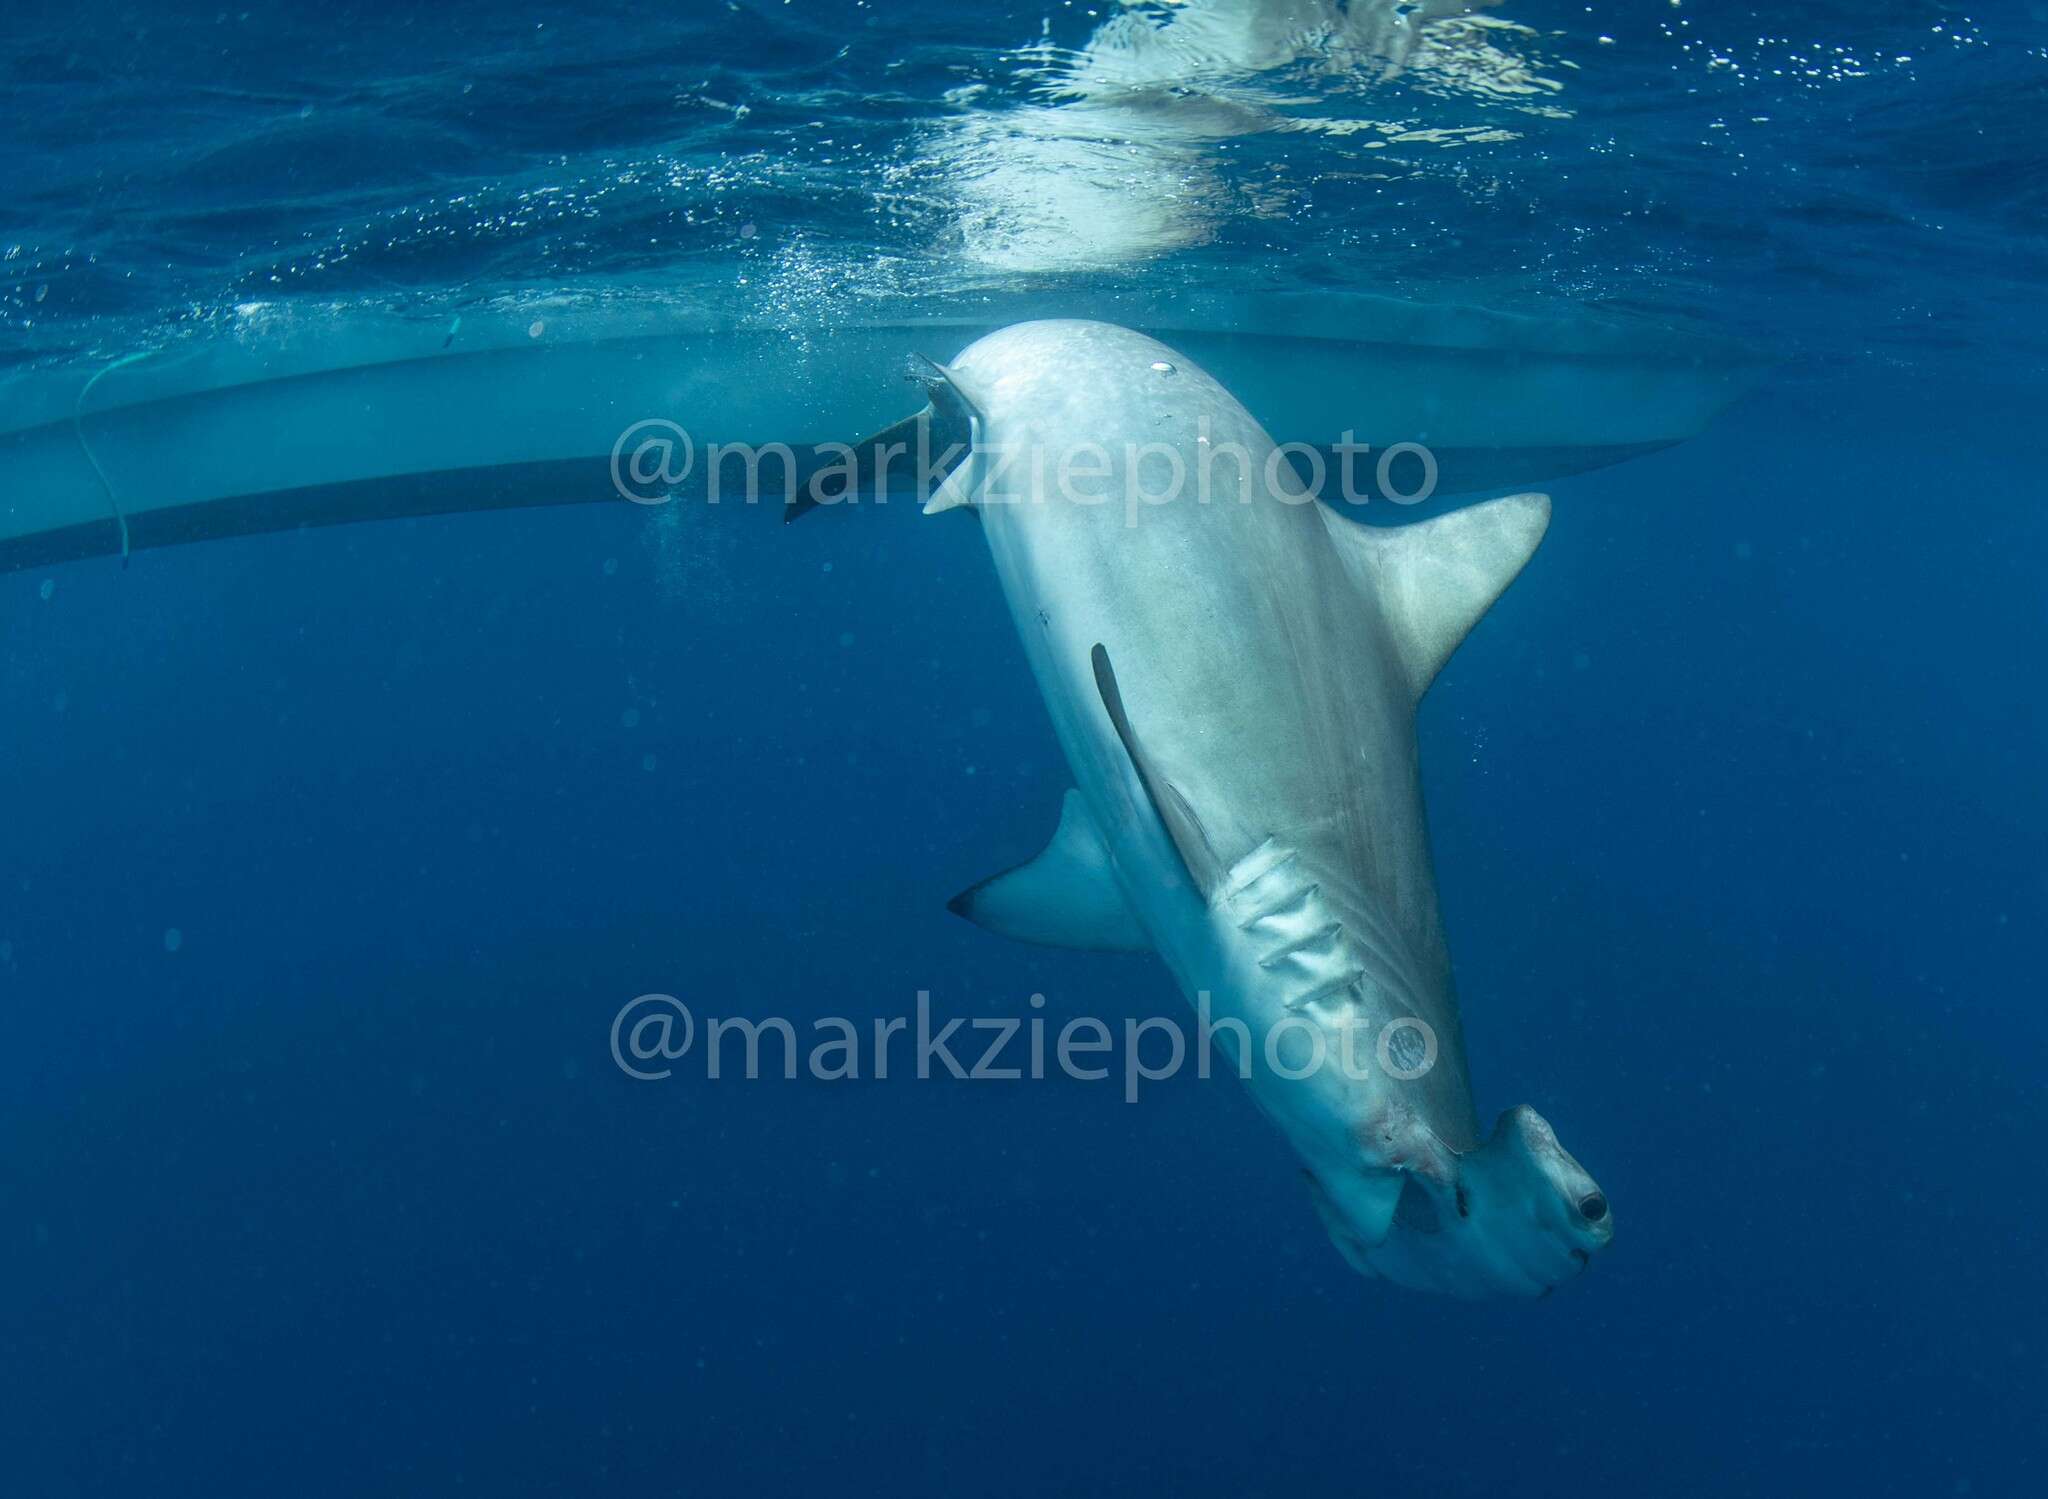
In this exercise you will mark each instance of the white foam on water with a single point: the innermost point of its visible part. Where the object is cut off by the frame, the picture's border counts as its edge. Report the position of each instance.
(1120, 163)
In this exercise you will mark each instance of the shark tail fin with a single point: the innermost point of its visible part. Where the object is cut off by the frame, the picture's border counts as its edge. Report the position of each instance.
(1435, 579)
(899, 454)
(1066, 897)
(960, 416)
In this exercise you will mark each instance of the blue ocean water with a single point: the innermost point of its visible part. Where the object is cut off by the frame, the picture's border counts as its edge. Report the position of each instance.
(329, 857)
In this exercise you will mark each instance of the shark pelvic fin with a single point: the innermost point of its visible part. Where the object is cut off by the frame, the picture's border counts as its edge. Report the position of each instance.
(1182, 825)
(1066, 897)
(1434, 580)
(1352, 1241)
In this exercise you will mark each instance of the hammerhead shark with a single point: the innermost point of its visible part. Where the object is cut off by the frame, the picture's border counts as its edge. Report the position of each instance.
(1232, 668)
(1231, 665)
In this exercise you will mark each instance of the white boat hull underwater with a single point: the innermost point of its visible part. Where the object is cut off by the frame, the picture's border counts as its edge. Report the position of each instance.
(290, 420)
(1233, 672)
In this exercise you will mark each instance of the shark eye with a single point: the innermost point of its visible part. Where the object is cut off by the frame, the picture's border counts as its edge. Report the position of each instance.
(1592, 1207)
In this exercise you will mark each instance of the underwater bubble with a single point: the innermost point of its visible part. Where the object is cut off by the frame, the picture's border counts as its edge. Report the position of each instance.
(173, 939)
(647, 763)
(630, 719)
(845, 638)
(536, 328)
(611, 566)
(1160, 366)
(6, 952)
(49, 587)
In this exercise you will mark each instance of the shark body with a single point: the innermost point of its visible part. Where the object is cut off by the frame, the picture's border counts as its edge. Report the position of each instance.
(1232, 670)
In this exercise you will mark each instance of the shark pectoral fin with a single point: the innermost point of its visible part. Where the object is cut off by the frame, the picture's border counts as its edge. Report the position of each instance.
(1066, 897)
(1172, 809)
(1435, 579)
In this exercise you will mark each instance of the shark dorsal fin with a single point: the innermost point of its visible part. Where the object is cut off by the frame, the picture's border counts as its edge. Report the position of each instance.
(1434, 579)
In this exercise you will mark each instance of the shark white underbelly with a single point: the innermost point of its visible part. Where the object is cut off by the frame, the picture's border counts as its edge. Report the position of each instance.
(1232, 670)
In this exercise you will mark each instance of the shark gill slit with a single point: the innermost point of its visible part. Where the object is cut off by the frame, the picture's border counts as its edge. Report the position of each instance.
(1287, 901)
(1343, 983)
(1328, 935)
(1374, 940)
(1281, 856)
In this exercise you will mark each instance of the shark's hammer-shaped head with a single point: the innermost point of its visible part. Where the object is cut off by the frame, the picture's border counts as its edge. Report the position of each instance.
(1537, 1217)
(1518, 1216)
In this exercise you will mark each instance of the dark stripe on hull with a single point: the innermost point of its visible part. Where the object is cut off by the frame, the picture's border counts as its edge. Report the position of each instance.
(572, 481)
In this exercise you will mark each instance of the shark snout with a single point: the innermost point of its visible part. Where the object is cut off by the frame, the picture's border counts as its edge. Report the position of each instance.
(1554, 1213)
(1519, 1217)
(1581, 1202)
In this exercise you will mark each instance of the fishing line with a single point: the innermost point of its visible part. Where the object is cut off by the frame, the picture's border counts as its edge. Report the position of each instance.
(78, 429)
